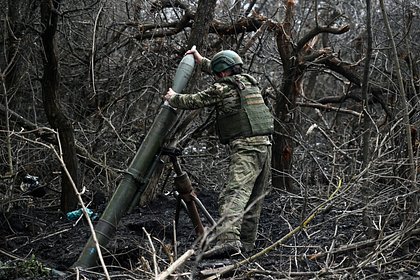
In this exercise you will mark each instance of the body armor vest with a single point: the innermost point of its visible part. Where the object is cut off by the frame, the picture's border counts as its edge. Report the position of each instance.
(250, 117)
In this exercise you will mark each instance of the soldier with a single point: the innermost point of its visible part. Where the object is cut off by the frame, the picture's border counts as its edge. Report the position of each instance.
(245, 123)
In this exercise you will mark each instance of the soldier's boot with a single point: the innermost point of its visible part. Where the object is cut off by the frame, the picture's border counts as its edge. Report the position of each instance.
(224, 249)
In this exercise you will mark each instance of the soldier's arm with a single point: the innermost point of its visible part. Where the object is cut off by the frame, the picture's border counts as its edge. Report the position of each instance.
(206, 66)
(206, 98)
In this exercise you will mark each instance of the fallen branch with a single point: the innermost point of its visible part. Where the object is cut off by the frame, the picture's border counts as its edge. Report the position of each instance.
(10, 255)
(350, 247)
(175, 265)
(328, 108)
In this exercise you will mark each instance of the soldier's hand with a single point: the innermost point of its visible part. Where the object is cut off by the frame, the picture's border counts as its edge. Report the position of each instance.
(169, 94)
(197, 56)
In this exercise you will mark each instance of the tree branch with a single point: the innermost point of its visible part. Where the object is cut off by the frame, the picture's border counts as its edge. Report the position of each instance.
(318, 30)
(149, 30)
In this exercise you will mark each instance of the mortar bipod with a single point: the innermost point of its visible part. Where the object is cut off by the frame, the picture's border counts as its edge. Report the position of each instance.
(185, 195)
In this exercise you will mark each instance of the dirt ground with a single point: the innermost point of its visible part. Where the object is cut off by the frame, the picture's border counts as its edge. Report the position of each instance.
(143, 243)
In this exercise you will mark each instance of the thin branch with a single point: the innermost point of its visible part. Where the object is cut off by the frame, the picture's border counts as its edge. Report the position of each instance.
(404, 102)
(79, 197)
(329, 108)
(181, 260)
(92, 62)
(155, 265)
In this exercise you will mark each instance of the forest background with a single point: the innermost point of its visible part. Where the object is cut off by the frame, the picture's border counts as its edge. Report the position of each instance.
(81, 84)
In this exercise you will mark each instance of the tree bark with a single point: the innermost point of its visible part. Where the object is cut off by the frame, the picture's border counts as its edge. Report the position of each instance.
(200, 28)
(295, 57)
(55, 116)
(365, 88)
(285, 105)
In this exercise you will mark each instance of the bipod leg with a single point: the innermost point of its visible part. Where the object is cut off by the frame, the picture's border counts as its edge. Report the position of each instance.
(205, 212)
(177, 211)
(184, 188)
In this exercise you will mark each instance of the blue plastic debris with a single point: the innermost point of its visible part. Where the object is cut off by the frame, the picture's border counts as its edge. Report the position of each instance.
(74, 215)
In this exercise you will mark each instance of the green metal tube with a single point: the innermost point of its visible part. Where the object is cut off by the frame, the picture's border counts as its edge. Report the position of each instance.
(128, 187)
(136, 172)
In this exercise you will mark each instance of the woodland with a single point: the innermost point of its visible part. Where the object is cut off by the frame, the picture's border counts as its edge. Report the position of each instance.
(82, 84)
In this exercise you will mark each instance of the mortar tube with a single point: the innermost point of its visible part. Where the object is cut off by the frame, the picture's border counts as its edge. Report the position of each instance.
(137, 171)
(144, 185)
(128, 187)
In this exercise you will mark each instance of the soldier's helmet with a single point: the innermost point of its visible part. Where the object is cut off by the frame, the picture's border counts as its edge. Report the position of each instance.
(224, 60)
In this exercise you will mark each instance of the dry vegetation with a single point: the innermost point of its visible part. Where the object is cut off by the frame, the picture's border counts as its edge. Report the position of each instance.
(344, 199)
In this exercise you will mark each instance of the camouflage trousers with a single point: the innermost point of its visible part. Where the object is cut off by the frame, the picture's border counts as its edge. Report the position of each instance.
(241, 199)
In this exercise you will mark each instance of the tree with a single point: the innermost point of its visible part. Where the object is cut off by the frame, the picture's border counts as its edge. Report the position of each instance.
(295, 54)
(116, 58)
(56, 118)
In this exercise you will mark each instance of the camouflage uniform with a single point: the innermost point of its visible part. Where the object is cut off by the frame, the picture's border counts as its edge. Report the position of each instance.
(249, 168)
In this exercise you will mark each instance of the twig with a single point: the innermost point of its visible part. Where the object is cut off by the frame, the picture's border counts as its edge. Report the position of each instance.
(7, 121)
(79, 197)
(332, 143)
(153, 251)
(50, 235)
(10, 255)
(175, 265)
(92, 62)
(327, 261)
(175, 240)
(328, 107)
(166, 249)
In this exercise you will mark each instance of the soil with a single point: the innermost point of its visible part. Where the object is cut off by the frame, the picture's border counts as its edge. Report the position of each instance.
(143, 243)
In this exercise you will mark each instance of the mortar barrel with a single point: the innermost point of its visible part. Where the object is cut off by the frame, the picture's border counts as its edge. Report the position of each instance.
(137, 171)
(128, 187)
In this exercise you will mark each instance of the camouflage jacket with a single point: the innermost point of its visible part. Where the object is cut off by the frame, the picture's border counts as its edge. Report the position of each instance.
(212, 96)
(222, 94)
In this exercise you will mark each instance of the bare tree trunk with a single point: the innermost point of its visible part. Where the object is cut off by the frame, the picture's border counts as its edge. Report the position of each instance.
(56, 118)
(366, 132)
(365, 89)
(295, 57)
(284, 126)
(285, 105)
(200, 29)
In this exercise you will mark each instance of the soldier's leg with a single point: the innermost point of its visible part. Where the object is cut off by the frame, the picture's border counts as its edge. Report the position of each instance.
(251, 218)
(243, 172)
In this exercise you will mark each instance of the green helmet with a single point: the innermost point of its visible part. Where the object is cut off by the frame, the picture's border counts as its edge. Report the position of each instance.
(224, 60)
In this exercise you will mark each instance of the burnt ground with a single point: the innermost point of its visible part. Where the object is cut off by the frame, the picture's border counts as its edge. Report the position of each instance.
(334, 245)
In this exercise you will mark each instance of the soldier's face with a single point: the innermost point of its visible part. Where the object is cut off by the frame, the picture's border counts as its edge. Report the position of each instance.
(217, 76)
(220, 75)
